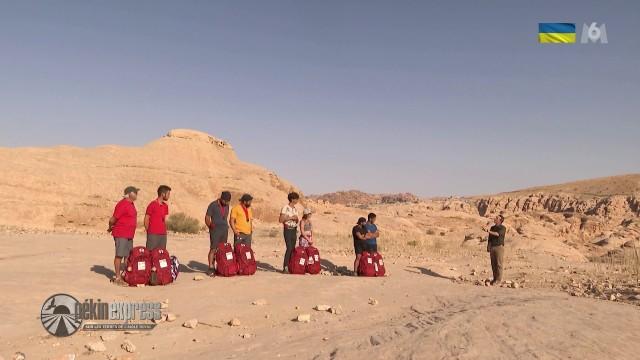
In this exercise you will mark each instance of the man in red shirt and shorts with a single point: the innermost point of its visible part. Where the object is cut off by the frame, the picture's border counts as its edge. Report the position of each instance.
(154, 219)
(122, 226)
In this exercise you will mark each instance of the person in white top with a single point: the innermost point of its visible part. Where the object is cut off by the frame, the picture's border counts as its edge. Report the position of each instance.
(289, 220)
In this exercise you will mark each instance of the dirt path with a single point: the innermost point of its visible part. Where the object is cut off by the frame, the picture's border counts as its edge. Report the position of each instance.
(419, 314)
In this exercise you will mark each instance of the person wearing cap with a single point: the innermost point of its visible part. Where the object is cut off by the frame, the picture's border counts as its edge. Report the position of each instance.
(306, 229)
(216, 221)
(241, 221)
(155, 217)
(289, 220)
(495, 247)
(359, 233)
(122, 226)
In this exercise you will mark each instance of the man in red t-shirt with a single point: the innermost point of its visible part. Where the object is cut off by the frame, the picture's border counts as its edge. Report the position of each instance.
(122, 226)
(154, 219)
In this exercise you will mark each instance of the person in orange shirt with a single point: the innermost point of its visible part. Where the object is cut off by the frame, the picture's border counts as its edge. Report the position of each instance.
(241, 221)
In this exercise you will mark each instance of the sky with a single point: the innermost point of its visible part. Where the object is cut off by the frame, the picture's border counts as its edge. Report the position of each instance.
(431, 97)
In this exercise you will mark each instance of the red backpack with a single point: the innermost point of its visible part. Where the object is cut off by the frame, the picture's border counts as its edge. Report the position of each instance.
(298, 261)
(138, 271)
(226, 264)
(313, 260)
(378, 264)
(366, 266)
(160, 267)
(246, 259)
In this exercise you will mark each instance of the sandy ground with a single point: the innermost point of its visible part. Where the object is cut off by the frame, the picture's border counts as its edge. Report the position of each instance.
(420, 312)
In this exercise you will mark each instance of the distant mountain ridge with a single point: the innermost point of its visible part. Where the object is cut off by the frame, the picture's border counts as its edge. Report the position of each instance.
(356, 197)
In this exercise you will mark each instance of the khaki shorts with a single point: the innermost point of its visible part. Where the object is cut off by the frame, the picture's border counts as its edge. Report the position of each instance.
(123, 246)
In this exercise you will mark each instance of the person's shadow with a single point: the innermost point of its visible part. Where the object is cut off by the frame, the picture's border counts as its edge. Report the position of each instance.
(194, 266)
(103, 270)
(266, 267)
(429, 272)
(328, 266)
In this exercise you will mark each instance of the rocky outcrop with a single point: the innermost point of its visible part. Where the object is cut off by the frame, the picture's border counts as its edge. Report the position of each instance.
(359, 198)
(609, 207)
(198, 136)
(457, 204)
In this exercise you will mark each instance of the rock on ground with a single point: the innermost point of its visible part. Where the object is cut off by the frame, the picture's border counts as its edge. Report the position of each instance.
(171, 317)
(98, 346)
(128, 346)
(191, 324)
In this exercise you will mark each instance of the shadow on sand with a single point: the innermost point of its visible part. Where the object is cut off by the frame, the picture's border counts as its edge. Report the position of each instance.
(102, 270)
(194, 266)
(429, 272)
(266, 267)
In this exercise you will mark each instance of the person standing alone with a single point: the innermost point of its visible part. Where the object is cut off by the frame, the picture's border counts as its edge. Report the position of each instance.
(154, 219)
(122, 225)
(495, 247)
(216, 221)
(289, 219)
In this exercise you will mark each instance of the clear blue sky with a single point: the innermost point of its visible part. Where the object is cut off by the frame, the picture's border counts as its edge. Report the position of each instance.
(431, 97)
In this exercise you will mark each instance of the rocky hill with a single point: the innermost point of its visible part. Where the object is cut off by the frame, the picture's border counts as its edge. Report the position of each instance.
(601, 213)
(356, 198)
(66, 187)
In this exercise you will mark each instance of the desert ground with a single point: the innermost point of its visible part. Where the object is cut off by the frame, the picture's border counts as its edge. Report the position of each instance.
(429, 307)
(572, 288)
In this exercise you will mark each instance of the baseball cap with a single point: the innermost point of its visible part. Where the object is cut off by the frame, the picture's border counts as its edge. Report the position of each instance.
(130, 189)
(226, 196)
(307, 211)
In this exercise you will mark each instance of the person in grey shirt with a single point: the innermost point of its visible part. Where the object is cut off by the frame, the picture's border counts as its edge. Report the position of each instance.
(216, 220)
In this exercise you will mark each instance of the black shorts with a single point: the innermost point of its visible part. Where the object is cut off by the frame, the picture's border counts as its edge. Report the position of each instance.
(359, 246)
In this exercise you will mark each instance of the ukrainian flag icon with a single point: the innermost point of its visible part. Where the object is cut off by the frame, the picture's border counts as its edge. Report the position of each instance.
(556, 33)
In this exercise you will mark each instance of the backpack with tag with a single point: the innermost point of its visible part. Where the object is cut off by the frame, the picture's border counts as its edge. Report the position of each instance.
(378, 264)
(160, 267)
(246, 259)
(366, 266)
(313, 260)
(138, 271)
(298, 261)
(226, 264)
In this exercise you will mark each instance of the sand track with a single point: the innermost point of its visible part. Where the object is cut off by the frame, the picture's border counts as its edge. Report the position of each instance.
(420, 315)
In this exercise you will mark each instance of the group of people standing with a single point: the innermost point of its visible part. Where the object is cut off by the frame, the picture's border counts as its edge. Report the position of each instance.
(219, 219)
(123, 223)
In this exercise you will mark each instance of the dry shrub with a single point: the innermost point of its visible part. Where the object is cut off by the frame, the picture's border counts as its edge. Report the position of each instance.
(181, 223)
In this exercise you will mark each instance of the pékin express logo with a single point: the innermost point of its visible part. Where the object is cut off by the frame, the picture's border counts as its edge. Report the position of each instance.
(63, 315)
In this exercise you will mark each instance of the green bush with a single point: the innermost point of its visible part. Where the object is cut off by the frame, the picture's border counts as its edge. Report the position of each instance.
(181, 223)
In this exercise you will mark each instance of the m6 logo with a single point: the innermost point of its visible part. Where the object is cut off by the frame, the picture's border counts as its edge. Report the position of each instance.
(594, 33)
